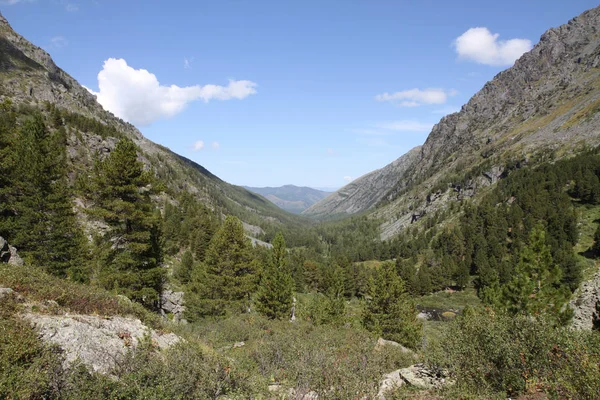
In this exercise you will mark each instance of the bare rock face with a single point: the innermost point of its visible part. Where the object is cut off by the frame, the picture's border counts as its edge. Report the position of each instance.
(99, 343)
(365, 192)
(8, 253)
(585, 303)
(173, 303)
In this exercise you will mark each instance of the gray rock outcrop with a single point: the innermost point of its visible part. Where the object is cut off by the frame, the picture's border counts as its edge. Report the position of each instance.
(173, 303)
(98, 343)
(417, 376)
(584, 304)
(8, 254)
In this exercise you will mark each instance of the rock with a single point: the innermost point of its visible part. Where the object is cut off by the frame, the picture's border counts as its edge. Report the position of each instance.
(15, 259)
(173, 303)
(8, 253)
(5, 292)
(237, 345)
(302, 394)
(417, 376)
(381, 343)
(584, 304)
(99, 343)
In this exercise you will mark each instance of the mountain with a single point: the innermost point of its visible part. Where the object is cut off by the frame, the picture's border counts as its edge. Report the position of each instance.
(365, 192)
(30, 79)
(543, 108)
(291, 198)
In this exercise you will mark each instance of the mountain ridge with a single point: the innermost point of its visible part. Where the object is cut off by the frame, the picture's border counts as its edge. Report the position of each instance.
(292, 198)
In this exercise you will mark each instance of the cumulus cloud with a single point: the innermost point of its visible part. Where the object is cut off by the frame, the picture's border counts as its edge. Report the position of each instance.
(216, 145)
(348, 178)
(12, 2)
(72, 7)
(406, 126)
(483, 47)
(417, 97)
(136, 95)
(187, 63)
(199, 145)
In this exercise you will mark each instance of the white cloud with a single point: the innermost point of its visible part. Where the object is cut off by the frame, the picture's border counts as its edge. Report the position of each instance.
(199, 145)
(72, 7)
(136, 95)
(59, 41)
(187, 63)
(348, 178)
(483, 47)
(216, 145)
(417, 97)
(406, 126)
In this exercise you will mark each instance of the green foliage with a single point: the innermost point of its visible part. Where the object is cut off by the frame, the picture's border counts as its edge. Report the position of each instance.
(535, 287)
(28, 368)
(183, 272)
(228, 277)
(276, 290)
(390, 312)
(492, 354)
(38, 217)
(121, 192)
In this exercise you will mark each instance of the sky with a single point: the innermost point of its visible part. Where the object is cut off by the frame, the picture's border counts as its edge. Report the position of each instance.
(267, 93)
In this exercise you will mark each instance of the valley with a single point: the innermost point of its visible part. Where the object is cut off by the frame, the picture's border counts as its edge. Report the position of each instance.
(466, 268)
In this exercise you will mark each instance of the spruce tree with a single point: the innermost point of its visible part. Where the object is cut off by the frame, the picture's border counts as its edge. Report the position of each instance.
(276, 291)
(535, 287)
(228, 275)
(390, 312)
(42, 224)
(122, 195)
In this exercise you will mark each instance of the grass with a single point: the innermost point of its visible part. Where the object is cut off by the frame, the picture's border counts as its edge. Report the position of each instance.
(589, 217)
(448, 300)
(38, 286)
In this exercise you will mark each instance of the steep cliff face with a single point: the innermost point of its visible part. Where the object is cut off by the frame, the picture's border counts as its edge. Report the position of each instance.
(29, 77)
(546, 106)
(365, 192)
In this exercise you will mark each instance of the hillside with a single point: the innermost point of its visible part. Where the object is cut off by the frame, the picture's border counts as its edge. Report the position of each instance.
(543, 108)
(30, 78)
(293, 199)
(365, 192)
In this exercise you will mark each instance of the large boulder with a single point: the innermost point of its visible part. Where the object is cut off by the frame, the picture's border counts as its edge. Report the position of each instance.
(173, 303)
(417, 376)
(99, 343)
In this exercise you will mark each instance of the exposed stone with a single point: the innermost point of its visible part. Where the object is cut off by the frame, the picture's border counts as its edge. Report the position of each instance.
(8, 253)
(584, 304)
(99, 343)
(417, 376)
(381, 343)
(5, 292)
(173, 303)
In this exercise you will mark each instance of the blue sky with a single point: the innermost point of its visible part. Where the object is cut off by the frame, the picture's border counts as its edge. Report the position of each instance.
(268, 93)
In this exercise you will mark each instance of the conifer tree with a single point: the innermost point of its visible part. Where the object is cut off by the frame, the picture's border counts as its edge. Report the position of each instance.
(7, 164)
(42, 225)
(535, 287)
(122, 194)
(390, 312)
(228, 276)
(276, 291)
(596, 245)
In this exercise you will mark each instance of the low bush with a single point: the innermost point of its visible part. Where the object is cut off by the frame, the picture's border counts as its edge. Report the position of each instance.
(492, 353)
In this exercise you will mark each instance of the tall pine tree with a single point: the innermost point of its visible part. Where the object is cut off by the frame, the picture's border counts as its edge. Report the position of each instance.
(122, 195)
(41, 222)
(276, 291)
(227, 277)
(390, 312)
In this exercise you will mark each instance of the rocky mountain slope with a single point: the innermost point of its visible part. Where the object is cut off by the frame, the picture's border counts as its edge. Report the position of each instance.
(291, 198)
(544, 107)
(364, 192)
(30, 78)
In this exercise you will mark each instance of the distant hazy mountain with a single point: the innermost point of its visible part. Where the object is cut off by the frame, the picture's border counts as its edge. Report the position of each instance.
(291, 198)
